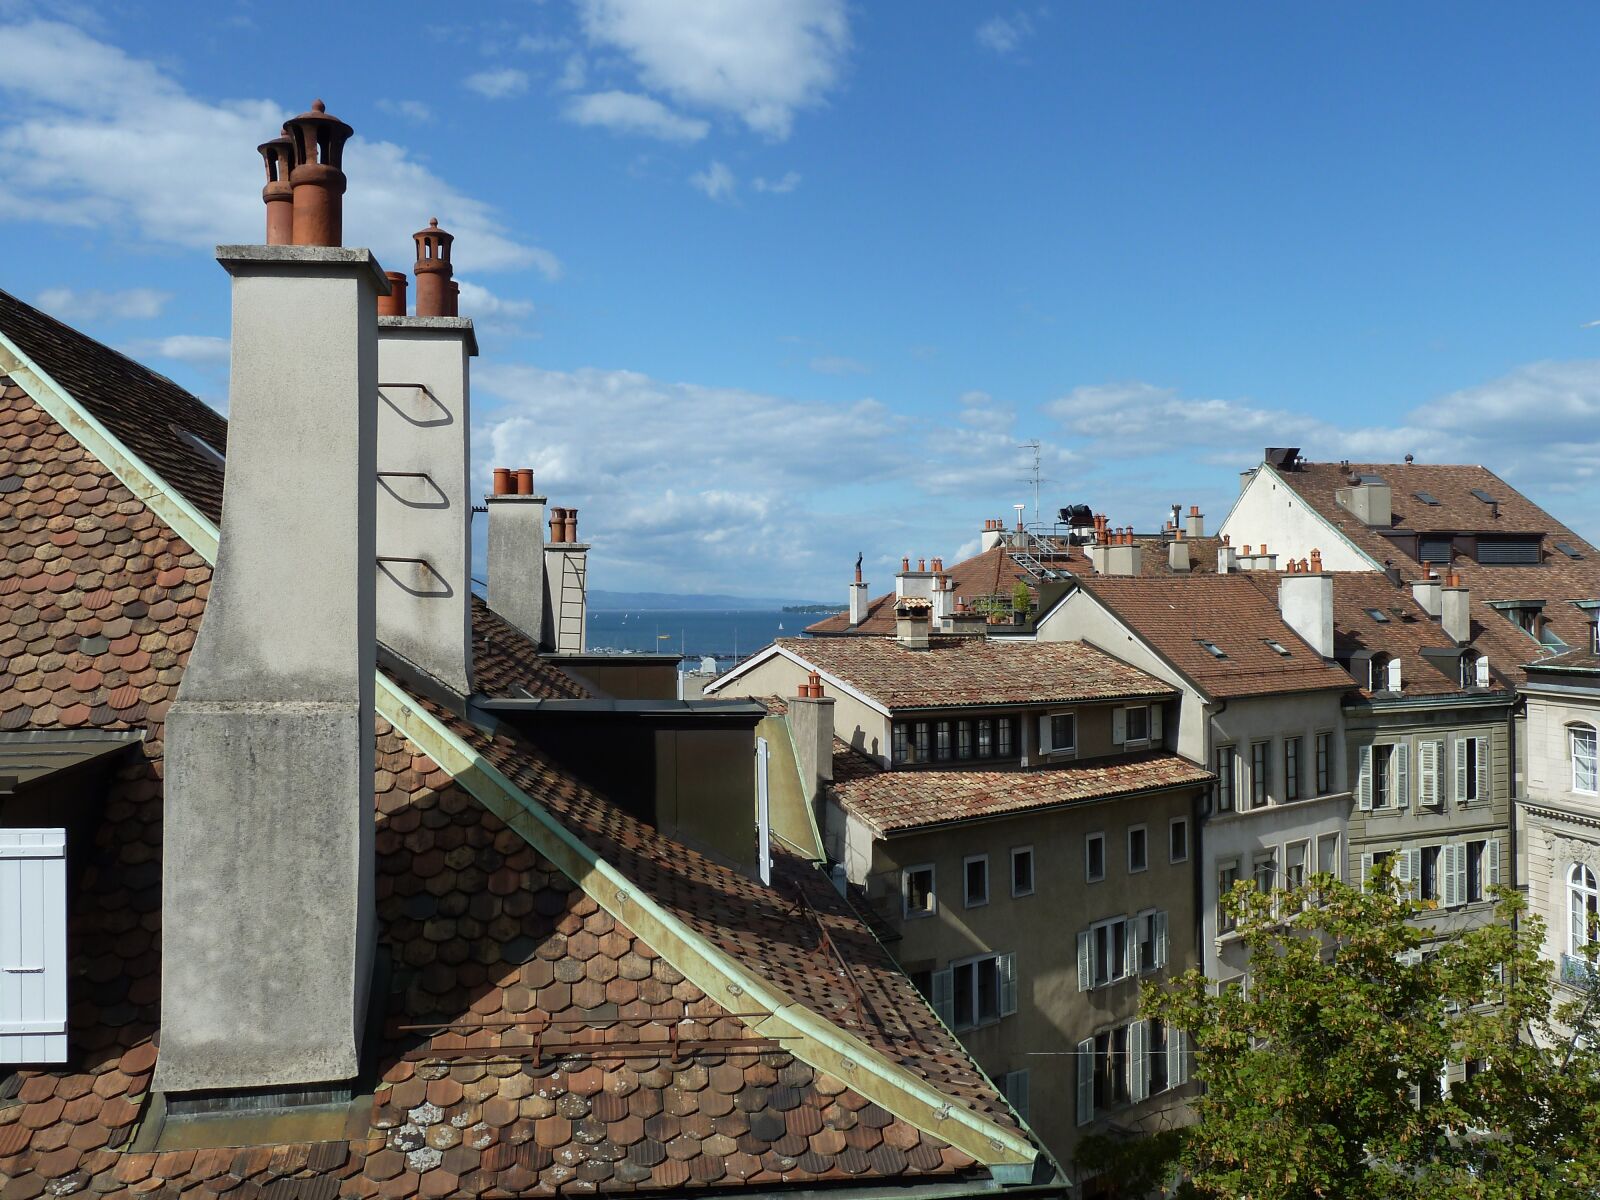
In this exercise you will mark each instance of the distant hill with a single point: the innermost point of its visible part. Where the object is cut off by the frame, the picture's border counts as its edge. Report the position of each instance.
(681, 602)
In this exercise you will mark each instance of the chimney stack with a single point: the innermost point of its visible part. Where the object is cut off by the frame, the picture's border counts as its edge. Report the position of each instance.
(278, 194)
(1178, 553)
(267, 920)
(516, 551)
(394, 304)
(1426, 591)
(1305, 600)
(1195, 524)
(858, 597)
(811, 729)
(1227, 559)
(1455, 610)
(566, 575)
(424, 513)
(917, 584)
(317, 178)
(913, 622)
(433, 271)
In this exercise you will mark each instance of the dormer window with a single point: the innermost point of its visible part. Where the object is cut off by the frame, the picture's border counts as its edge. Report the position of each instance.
(1385, 674)
(1474, 670)
(1378, 615)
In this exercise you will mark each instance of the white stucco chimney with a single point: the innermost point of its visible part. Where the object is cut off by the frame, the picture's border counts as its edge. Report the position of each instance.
(916, 584)
(913, 623)
(1306, 602)
(424, 513)
(1227, 557)
(1369, 499)
(566, 584)
(1195, 523)
(1178, 553)
(267, 920)
(516, 550)
(994, 534)
(858, 597)
(1426, 591)
(1455, 610)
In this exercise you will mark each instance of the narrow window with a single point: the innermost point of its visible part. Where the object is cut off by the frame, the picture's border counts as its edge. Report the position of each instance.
(985, 739)
(1063, 732)
(1178, 840)
(1260, 760)
(902, 743)
(1022, 871)
(920, 741)
(1291, 768)
(1138, 848)
(916, 892)
(1584, 776)
(1324, 763)
(976, 872)
(1328, 854)
(1156, 1055)
(941, 741)
(1430, 873)
(1583, 904)
(1294, 864)
(1227, 876)
(1266, 874)
(1382, 781)
(964, 740)
(1224, 785)
(1007, 731)
(1138, 727)
(1094, 857)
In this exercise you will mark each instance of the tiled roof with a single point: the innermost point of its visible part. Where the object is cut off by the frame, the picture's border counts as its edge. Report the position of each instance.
(1558, 579)
(99, 603)
(895, 801)
(1178, 614)
(995, 571)
(506, 663)
(964, 671)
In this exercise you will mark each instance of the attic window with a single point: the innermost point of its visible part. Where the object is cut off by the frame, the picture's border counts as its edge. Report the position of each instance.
(1212, 648)
(1278, 646)
(1484, 496)
(1378, 615)
(1568, 549)
(202, 447)
(1426, 498)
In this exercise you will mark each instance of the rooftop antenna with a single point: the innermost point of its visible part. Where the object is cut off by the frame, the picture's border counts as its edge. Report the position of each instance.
(1033, 479)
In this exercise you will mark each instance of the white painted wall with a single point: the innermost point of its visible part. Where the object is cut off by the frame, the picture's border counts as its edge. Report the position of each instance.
(1268, 510)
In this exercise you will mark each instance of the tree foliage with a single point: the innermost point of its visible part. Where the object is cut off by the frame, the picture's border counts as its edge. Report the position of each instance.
(1323, 1074)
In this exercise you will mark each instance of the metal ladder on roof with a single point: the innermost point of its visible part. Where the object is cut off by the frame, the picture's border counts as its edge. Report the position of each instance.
(570, 605)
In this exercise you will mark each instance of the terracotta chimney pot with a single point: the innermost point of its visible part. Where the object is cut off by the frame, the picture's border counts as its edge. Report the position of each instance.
(905, 564)
(1227, 538)
(1316, 561)
(502, 481)
(1194, 510)
(572, 524)
(278, 194)
(922, 564)
(558, 523)
(455, 299)
(394, 304)
(317, 176)
(524, 477)
(433, 270)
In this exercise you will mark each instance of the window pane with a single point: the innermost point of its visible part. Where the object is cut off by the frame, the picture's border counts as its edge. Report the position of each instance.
(1021, 872)
(1179, 849)
(1328, 854)
(1138, 724)
(978, 881)
(985, 739)
(1291, 768)
(1224, 770)
(901, 743)
(1007, 730)
(989, 989)
(964, 740)
(1138, 850)
(1063, 732)
(942, 741)
(921, 741)
(1096, 856)
(1324, 763)
(962, 977)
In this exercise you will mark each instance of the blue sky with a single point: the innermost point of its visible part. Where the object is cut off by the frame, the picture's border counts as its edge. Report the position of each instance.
(761, 283)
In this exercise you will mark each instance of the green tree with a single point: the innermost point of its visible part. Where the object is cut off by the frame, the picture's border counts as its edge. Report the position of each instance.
(1322, 1074)
(1021, 597)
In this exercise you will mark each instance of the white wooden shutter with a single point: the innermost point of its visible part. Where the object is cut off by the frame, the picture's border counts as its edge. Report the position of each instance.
(1044, 734)
(1155, 723)
(1461, 769)
(1481, 667)
(33, 945)
(944, 996)
(1491, 858)
(1130, 947)
(1402, 776)
(1366, 870)
(1138, 1063)
(1085, 1081)
(1119, 726)
(1428, 774)
(1485, 786)
(1007, 968)
(1177, 1057)
(1085, 961)
(1364, 779)
(1461, 873)
(1161, 939)
(1402, 871)
(1394, 675)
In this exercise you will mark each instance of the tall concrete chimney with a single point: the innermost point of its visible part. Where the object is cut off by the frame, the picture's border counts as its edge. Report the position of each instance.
(1195, 523)
(1227, 557)
(1306, 601)
(424, 516)
(1178, 553)
(1455, 610)
(267, 921)
(566, 574)
(1426, 591)
(913, 619)
(858, 597)
(811, 727)
(516, 551)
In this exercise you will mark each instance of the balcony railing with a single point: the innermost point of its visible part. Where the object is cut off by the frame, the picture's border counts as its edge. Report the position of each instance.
(1577, 970)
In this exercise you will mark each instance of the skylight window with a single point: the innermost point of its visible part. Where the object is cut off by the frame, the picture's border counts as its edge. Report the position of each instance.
(1378, 615)
(1277, 646)
(1426, 498)
(1484, 496)
(1212, 648)
(195, 442)
(1569, 549)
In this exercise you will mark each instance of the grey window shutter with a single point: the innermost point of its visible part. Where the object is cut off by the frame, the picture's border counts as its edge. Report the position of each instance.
(1459, 873)
(1366, 870)
(1007, 967)
(1155, 723)
(1364, 779)
(1491, 858)
(1119, 726)
(1138, 1062)
(1177, 1057)
(1485, 783)
(1085, 961)
(1161, 940)
(1461, 769)
(1402, 776)
(944, 996)
(1044, 735)
(33, 945)
(1086, 1065)
(1428, 792)
(1130, 947)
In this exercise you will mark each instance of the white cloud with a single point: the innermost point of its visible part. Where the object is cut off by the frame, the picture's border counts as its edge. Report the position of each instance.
(780, 186)
(629, 112)
(500, 84)
(1004, 34)
(414, 110)
(130, 304)
(760, 61)
(574, 73)
(715, 181)
(77, 111)
(837, 364)
(195, 349)
(480, 303)
(980, 410)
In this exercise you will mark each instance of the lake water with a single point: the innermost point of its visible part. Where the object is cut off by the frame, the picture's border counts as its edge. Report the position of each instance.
(721, 635)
